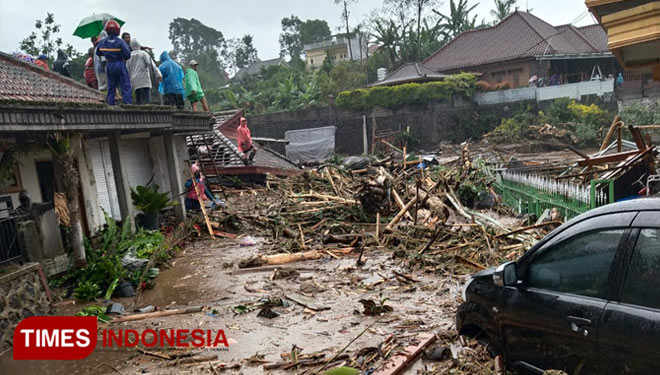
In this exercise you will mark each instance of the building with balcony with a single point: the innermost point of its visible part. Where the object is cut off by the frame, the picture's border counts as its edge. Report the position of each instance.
(633, 35)
(336, 48)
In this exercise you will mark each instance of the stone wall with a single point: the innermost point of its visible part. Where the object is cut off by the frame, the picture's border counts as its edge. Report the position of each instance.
(445, 121)
(22, 294)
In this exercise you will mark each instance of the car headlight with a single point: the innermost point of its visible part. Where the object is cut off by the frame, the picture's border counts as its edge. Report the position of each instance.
(464, 288)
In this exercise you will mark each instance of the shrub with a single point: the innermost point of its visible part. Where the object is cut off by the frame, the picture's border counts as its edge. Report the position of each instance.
(408, 94)
(353, 99)
(558, 112)
(638, 114)
(590, 120)
(483, 86)
(502, 86)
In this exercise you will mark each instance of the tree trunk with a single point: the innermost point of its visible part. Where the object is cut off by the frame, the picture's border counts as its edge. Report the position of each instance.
(71, 178)
(420, 4)
(348, 36)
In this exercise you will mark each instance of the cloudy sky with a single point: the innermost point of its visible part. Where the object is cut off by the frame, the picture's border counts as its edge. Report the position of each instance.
(147, 20)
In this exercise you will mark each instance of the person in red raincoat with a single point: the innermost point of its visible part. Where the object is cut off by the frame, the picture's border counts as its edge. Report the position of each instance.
(245, 142)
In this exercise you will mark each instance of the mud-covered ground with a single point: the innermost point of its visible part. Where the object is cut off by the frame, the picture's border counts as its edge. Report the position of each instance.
(206, 273)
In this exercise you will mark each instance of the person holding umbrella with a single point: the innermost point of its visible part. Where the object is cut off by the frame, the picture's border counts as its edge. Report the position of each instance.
(94, 27)
(116, 52)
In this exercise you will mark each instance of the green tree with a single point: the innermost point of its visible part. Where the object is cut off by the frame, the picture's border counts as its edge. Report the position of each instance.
(458, 20)
(46, 40)
(192, 40)
(502, 9)
(246, 53)
(313, 31)
(386, 35)
(290, 41)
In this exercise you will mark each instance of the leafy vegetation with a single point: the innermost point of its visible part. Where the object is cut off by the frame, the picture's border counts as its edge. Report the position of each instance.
(585, 120)
(148, 200)
(105, 250)
(638, 114)
(95, 310)
(409, 94)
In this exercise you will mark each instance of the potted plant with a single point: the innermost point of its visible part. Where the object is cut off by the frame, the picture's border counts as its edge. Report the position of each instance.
(148, 200)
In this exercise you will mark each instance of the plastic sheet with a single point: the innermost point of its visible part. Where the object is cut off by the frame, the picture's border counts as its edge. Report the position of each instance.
(315, 144)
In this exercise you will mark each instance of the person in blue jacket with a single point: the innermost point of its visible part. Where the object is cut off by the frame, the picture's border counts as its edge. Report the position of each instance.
(172, 81)
(116, 52)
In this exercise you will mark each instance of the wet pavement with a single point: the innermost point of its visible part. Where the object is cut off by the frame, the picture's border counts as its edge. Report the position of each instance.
(207, 274)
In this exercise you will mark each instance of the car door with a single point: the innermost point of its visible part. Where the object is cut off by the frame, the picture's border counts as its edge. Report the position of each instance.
(550, 320)
(630, 325)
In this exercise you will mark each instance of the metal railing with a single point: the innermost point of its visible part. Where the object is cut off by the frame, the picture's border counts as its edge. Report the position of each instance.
(529, 194)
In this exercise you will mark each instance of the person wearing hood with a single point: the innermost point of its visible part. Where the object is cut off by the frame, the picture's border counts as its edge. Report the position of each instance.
(116, 52)
(194, 91)
(42, 61)
(61, 64)
(141, 68)
(244, 140)
(172, 81)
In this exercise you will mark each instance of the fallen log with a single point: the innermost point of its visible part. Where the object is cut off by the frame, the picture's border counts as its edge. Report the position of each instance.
(157, 314)
(530, 227)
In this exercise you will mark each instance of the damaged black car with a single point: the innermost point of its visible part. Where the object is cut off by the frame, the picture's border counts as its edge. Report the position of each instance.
(584, 300)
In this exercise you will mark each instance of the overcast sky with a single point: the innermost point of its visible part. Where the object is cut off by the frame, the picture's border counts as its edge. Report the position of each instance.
(148, 20)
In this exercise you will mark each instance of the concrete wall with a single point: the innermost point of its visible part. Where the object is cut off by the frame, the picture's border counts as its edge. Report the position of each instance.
(571, 90)
(444, 121)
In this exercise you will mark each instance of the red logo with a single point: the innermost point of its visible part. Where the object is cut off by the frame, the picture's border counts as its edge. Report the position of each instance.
(55, 337)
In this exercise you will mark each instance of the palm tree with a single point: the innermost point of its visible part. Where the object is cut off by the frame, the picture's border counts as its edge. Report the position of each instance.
(386, 34)
(458, 19)
(64, 147)
(502, 9)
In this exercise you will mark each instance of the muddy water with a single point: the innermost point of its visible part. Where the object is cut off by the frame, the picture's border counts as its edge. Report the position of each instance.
(205, 275)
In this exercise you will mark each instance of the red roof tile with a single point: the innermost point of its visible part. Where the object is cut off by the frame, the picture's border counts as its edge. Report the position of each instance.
(521, 35)
(22, 81)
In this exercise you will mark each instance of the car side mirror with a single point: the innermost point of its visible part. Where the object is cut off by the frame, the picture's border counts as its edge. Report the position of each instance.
(506, 275)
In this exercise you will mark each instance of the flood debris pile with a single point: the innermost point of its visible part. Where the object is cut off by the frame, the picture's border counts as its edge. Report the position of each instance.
(429, 213)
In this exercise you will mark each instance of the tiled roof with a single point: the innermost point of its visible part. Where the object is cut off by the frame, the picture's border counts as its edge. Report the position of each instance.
(22, 81)
(227, 121)
(520, 35)
(255, 68)
(410, 72)
(596, 35)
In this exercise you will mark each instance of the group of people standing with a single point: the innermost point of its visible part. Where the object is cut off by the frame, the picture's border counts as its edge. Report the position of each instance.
(121, 65)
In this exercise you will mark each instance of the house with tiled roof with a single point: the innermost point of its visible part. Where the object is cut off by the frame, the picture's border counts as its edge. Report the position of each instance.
(409, 73)
(113, 150)
(523, 46)
(256, 67)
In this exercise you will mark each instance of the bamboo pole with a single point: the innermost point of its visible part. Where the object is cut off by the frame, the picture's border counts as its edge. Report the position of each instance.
(201, 203)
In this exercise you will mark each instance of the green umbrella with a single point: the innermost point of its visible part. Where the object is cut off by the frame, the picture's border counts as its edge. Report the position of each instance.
(93, 25)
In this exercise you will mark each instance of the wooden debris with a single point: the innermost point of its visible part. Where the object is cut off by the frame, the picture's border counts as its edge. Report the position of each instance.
(399, 362)
(157, 314)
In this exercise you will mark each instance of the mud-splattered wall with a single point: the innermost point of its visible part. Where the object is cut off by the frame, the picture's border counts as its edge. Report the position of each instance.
(22, 294)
